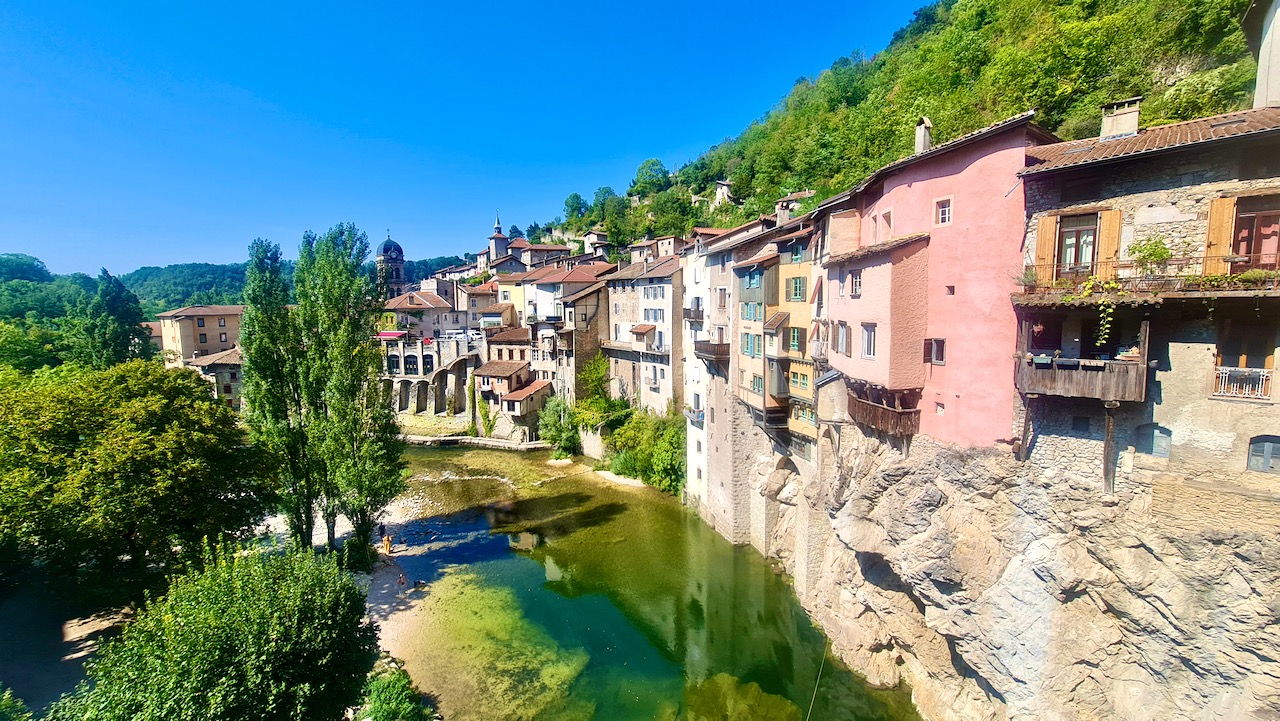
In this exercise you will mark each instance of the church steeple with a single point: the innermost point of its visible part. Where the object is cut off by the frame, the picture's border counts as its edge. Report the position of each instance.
(497, 223)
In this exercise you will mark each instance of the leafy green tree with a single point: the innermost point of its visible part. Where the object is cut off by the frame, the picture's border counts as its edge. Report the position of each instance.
(593, 378)
(19, 266)
(575, 207)
(536, 232)
(123, 469)
(557, 426)
(651, 177)
(12, 708)
(271, 341)
(312, 383)
(26, 346)
(108, 329)
(602, 196)
(673, 213)
(251, 636)
(669, 458)
(514, 231)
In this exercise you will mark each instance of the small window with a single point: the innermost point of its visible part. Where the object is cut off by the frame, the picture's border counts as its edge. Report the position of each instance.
(199, 322)
(951, 290)
(226, 389)
(797, 253)
(233, 375)
(795, 289)
(857, 283)
(204, 338)
(222, 337)
(942, 211)
(869, 340)
(222, 322)
(1080, 424)
(939, 409)
(1264, 454)
(935, 351)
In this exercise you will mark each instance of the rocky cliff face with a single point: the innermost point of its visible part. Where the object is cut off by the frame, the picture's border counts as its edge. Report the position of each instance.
(1001, 589)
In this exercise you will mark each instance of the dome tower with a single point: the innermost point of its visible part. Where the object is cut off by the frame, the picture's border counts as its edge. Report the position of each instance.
(390, 261)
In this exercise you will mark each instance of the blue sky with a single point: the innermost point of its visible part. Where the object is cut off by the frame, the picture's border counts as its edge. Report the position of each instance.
(149, 134)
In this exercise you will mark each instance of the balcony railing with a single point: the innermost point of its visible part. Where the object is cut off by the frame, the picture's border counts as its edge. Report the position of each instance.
(706, 350)
(1247, 383)
(692, 314)
(894, 421)
(1258, 271)
(695, 415)
(657, 348)
(1107, 380)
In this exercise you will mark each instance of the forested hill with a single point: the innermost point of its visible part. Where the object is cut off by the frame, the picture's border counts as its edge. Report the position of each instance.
(964, 64)
(967, 63)
(173, 286)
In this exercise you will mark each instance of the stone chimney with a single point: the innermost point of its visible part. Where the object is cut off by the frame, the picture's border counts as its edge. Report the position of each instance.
(924, 139)
(1120, 118)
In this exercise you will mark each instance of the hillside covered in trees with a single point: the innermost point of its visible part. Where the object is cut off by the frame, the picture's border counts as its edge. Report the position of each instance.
(964, 64)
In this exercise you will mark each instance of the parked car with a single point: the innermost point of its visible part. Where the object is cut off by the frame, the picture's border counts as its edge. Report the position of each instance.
(475, 334)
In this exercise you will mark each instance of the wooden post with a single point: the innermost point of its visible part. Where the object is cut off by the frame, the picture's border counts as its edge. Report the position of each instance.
(1108, 449)
(1024, 452)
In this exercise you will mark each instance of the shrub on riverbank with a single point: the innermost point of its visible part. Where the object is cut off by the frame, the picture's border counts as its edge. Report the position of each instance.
(557, 426)
(389, 695)
(652, 448)
(262, 636)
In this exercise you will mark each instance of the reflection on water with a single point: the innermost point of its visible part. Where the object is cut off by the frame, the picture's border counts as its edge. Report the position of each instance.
(566, 598)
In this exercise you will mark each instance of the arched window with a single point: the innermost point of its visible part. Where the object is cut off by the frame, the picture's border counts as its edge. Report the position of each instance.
(1264, 454)
(1154, 440)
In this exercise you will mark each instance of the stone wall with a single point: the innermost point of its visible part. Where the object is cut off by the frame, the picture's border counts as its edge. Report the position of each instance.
(1001, 589)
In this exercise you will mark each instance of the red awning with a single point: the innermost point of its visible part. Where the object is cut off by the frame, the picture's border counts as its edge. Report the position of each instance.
(391, 334)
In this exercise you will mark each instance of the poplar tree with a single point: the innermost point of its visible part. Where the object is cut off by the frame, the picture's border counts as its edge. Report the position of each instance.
(329, 415)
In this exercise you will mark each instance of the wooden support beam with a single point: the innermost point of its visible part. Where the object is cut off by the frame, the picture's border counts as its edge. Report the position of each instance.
(1108, 449)
(1024, 447)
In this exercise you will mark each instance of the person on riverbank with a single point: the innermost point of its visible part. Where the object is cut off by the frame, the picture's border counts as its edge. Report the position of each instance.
(402, 584)
(386, 545)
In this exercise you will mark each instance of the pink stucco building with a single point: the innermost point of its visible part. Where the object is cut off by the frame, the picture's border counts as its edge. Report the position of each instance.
(920, 261)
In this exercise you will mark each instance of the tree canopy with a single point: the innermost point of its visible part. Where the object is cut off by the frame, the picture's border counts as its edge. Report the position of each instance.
(251, 636)
(107, 329)
(123, 469)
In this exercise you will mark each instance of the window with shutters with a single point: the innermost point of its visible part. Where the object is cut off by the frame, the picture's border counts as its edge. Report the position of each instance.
(935, 351)
(1256, 240)
(1077, 237)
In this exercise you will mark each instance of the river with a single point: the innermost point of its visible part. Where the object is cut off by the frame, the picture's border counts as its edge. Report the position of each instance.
(553, 594)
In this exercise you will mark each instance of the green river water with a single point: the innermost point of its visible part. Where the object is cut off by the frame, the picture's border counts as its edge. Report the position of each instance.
(553, 594)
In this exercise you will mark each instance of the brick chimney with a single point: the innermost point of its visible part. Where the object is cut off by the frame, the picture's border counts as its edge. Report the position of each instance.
(1120, 119)
(924, 139)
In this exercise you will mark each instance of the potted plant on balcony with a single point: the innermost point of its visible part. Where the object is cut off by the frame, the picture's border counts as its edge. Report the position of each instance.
(1151, 255)
(1028, 279)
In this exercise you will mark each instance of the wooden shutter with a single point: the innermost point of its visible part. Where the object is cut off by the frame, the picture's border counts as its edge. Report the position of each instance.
(1222, 223)
(1046, 248)
(1109, 222)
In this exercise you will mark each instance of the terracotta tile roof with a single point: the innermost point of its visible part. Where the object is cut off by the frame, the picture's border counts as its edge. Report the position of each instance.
(663, 267)
(202, 310)
(501, 369)
(498, 235)
(1056, 300)
(227, 357)
(514, 335)
(523, 393)
(1163, 138)
(642, 243)
(546, 247)
(870, 250)
(776, 321)
(1023, 119)
(765, 255)
(643, 329)
(483, 289)
(496, 308)
(585, 292)
(417, 300)
(802, 233)
(153, 328)
(518, 243)
(540, 273)
(710, 231)
(506, 259)
(801, 195)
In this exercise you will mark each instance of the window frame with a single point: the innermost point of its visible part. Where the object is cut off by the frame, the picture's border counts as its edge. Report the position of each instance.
(938, 209)
(1268, 454)
(869, 341)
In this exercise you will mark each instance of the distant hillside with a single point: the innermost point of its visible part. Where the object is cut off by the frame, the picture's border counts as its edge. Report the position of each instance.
(173, 286)
(963, 64)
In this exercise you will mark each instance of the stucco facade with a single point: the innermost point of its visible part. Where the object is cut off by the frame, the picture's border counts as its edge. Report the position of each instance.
(198, 330)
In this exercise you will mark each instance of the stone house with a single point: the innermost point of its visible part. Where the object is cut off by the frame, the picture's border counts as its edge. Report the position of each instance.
(1150, 319)
(223, 372)
(474, 299)
(424, 314)
(644, 333)
(578, 341)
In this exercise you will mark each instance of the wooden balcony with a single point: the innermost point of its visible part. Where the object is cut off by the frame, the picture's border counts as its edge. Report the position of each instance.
(693, 315)
(1195, 274)
(894, 421)
(1108, 380)
(708, 351)
(774, 418)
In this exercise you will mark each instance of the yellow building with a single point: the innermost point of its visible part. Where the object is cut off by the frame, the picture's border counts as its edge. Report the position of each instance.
(198, 330)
